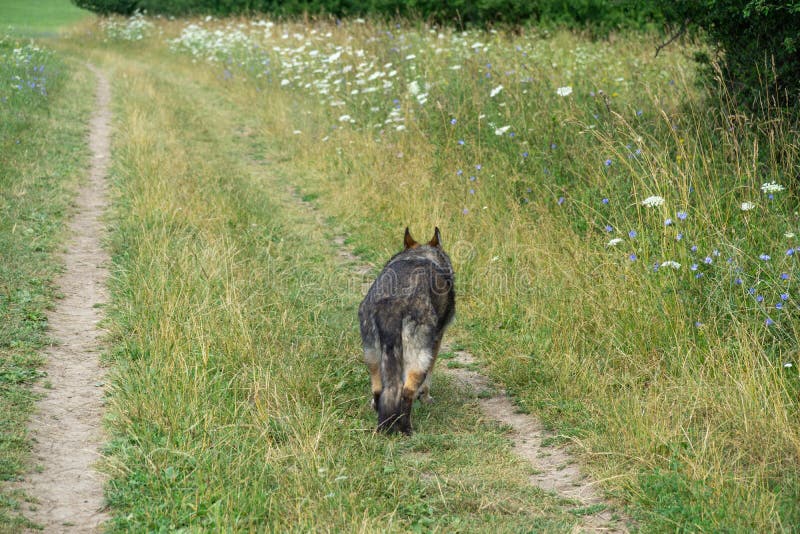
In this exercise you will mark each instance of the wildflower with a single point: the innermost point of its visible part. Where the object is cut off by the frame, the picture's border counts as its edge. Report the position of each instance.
(679, 236)
(461, 142)
(787, 365)
(496, 91)
(608, 162)
(524, 154)
(667, 222)
(614, 242)
(790, 252)
(473, 178)
(632, 257)
(501, 130)
(632, 234)
(560, 200)
(764, 257)
(453, 121)
(459, 172)
(769, 322)
(605, 201)
(708, 260)
(772, 187)
(564, 91)
(784, 276)
(789, 235)
(413, 88)
(693, 267)
(653, 201)
(759, 298)
(670, 263)
(464, 211)
(471, 191)
(779, 305)
(478, 166)
(747, 206)
(681, 215)
(694, 248)
(609, 228)
(345, 118)
(784, 296)
(737, 281)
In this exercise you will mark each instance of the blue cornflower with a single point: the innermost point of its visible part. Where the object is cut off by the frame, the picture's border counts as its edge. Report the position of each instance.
(779, 305)
(698, 275)
(639, 112)
(553, 146)
(769, 322)
(609, 228)
(478, 166)
(632, 257)
(708, 260)
(737, 281)
(471, 191)
(694, 248)
(752, 291)
(764, 257)
(790, 252)
(784, 296)
(656, 266)
(784, 276)
(715, 253)
(698, 324)
(461, 142)
(632, 234)
(560, 200)
(679, 236)
(682, 215)
(694, 267)
(667, 222)
(608, 162)
(605, 201)
(524, 154)
(464, 211)
(459, 172)
(453, 121)
(759, 298)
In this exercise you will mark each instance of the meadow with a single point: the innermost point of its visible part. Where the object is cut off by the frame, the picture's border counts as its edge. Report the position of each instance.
(625, 249)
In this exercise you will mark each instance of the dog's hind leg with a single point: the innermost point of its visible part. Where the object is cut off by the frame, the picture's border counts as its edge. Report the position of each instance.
(372, 359)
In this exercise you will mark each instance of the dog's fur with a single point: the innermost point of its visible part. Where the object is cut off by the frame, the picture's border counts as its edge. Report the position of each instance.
(402, 319)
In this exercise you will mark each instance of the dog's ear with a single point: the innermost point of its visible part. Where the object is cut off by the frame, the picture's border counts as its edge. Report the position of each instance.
(408, 241)
(437, 239)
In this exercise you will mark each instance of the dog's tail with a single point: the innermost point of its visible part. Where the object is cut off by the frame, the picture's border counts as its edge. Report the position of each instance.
(391, 414)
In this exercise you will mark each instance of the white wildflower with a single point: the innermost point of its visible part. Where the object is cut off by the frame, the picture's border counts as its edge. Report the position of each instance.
(653, 201)
(747, 206)
(614, 242)
(789, 235)
(413, 87)
(670, 263)
(772, 187)
(345, 118)
(496, 91)
(501, 130)
(564, 91)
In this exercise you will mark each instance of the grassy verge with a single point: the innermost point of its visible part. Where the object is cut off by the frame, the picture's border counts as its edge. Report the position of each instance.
(239, 401)
(42, 141)
(626, 253)
(40, 18)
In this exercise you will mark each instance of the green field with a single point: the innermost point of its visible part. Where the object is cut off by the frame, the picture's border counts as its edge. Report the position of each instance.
(39, 18)
(624, 249)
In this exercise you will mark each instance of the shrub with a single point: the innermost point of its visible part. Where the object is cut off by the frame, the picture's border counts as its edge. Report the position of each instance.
(757, 43)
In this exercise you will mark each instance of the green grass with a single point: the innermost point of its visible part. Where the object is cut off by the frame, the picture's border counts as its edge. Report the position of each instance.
(238, 398)
(42, 140)
(38, 18)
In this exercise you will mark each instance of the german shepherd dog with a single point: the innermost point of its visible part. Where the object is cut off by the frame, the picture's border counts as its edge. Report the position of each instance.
(402, 320)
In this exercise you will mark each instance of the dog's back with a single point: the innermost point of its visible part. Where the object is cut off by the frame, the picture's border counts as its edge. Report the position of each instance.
(402, 320)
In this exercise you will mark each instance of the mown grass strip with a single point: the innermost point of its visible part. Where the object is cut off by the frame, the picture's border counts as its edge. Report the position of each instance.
(40, 18)
(43, 147)
(239, 401)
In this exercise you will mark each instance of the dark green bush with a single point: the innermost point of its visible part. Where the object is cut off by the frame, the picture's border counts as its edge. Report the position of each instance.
(599, 15)
(757, 43)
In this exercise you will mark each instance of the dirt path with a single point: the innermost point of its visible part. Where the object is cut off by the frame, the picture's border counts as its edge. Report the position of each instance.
(66, 429)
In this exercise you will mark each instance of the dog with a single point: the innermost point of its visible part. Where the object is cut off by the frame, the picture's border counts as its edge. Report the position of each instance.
(402, 320)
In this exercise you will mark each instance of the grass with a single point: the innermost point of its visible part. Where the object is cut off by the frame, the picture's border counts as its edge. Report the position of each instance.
(238, 398)
(42, 141)
(40, 18)
(239, 402)
(679, 384)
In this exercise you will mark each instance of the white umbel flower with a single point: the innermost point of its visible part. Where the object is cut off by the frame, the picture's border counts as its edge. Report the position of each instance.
(496, 91)
(653, 201)
(564, 91)
(747, 206)
(772, 187)
(614, 242)
(670, 263)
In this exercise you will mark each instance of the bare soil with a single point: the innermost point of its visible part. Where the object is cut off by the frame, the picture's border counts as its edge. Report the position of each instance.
(66, 490)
